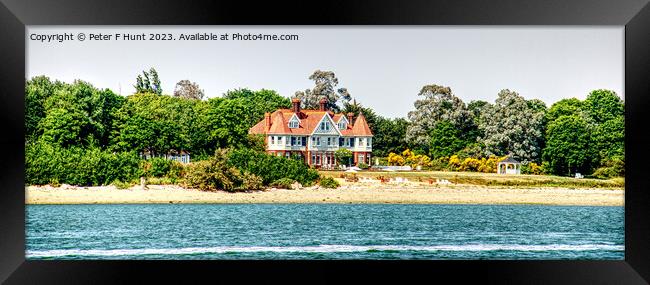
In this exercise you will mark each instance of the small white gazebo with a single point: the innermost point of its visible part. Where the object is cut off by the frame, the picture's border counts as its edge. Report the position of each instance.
(509, 166)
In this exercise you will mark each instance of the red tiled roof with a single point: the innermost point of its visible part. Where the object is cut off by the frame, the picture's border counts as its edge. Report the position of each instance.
(361, 127)
(309, 120)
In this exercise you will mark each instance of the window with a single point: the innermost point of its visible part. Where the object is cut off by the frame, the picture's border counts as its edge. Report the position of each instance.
(324, 126)
(304, 141)
(329, 141)
(341, 141)
(362, 141)
(293, 124)
(351, 142)
(272, 140)
(342, 125)
(287, 154)
(317, 140)
(361, 158)
(369, 141)
(293, 140)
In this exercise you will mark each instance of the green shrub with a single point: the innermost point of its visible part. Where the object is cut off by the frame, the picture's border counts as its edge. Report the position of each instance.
(271, 168)
(158, 167)
(612, 167)
(362, 165)
(250, 182)
(46, 163)
(532, 168)
(329, 182)
(121, 185)
(217, 174)
(283, 183)
(213, 174)
(161, 181)
(343, 156)
(176, 170)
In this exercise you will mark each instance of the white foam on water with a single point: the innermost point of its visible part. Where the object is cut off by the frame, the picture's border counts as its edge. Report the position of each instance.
(320, 249)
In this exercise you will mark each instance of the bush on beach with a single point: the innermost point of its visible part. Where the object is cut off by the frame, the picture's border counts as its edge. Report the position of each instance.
(214, 174)
(329, 182)
(283, 183)
(240, 170)
(50, 164)
(272, 168)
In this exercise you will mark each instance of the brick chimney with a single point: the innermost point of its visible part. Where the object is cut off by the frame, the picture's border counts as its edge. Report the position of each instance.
(350, 115)
(267, 120)
(295, 103)
(323, 104)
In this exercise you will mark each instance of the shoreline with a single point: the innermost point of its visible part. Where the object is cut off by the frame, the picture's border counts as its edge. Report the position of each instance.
(357, 193)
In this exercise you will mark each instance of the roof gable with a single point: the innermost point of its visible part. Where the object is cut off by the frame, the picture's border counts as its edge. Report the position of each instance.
(278, 124)
(309, 121)
(360, 127)
(333, 129)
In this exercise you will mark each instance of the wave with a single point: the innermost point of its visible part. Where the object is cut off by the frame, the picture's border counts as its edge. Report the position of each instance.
(320, 249)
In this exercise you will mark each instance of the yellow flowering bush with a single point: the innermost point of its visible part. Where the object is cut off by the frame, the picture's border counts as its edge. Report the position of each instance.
(408, 158)
(395, 159)
(454, 162)
(470, 164)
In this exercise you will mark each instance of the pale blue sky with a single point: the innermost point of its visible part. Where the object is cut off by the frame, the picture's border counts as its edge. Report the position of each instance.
(383, 67)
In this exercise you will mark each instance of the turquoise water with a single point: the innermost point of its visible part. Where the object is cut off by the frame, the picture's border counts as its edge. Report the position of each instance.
(324, 231)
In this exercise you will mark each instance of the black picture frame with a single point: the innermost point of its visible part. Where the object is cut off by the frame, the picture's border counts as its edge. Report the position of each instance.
(633, 14)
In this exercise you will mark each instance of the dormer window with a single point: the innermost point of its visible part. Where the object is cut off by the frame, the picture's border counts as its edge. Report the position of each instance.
(294, 122)
(324, 126)
(343, 125)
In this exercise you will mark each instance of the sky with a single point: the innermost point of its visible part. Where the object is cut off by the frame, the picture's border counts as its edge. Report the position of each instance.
(383, 67)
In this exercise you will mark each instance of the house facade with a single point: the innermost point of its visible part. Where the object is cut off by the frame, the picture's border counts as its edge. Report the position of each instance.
(315, 135)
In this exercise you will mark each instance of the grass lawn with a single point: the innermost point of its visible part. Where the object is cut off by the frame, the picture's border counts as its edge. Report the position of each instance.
(491, 179)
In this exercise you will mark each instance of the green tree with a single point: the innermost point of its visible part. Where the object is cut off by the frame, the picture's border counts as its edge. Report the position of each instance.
(608, 138)
(438, 104)
(37, 91)
(567, 145)
(476, 107)
(79, 114)
(258, 103)
(446, 140)
(188, 90)
(155, 123)
(343, 156)
(148, 82)
(564, 107)
(510, 126)
(389, 136)
(325, 87)
(603, 105)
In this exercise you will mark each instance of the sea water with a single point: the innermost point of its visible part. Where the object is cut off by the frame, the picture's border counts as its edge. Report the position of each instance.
(323, 231)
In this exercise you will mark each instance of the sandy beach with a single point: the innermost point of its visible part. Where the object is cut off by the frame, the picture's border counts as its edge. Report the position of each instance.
(413, 193)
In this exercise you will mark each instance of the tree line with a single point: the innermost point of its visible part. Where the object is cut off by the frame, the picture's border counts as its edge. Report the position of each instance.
(571, 136)
(584, 136)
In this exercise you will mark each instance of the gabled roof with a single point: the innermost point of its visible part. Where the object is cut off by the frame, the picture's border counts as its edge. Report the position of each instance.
(339, 117)
(361, 127)
(309, 120)
(509, 159)
(279, 125)
(327, 116)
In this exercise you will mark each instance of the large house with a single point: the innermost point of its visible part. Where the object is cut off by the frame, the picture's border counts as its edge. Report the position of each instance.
(315, 134)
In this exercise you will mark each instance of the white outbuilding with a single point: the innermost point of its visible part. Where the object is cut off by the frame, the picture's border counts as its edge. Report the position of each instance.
(509, 166)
